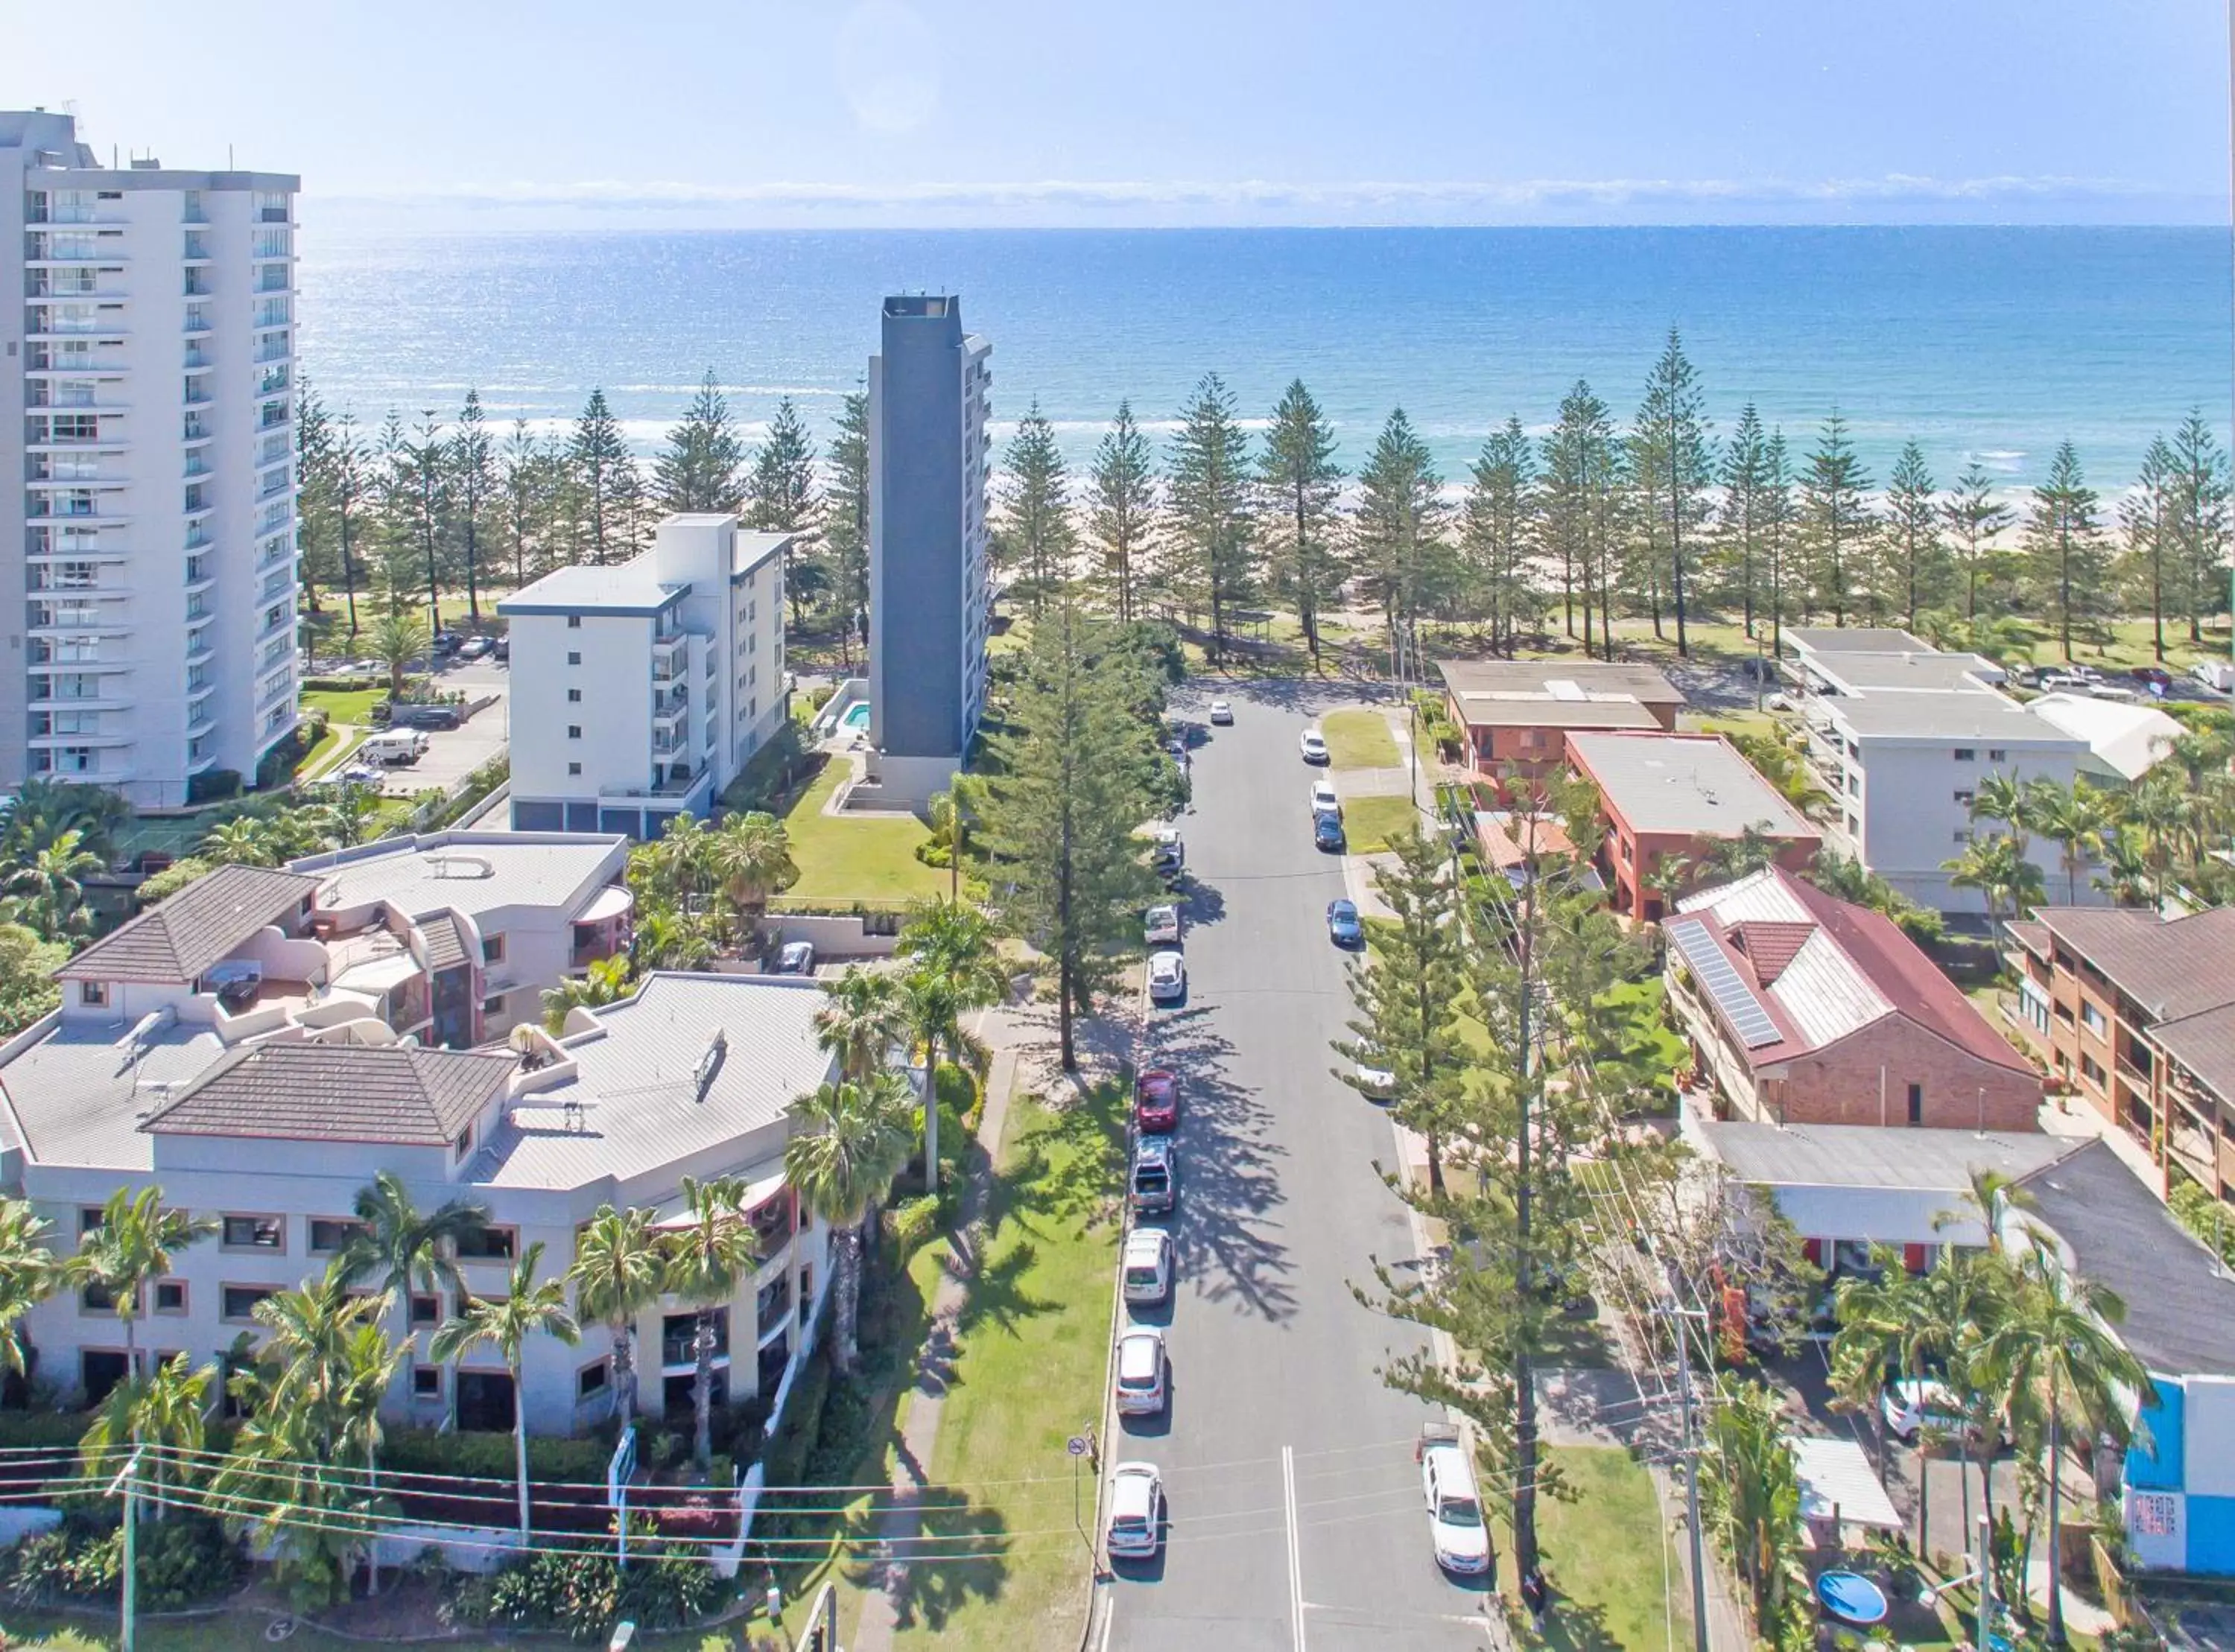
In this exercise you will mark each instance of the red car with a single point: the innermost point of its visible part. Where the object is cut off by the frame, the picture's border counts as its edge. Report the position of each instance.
(1156, 1100)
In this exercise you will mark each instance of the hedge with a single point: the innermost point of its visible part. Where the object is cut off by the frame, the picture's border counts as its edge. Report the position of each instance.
(482, 1454)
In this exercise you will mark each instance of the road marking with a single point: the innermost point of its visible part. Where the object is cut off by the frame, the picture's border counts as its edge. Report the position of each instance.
(1295, 1556)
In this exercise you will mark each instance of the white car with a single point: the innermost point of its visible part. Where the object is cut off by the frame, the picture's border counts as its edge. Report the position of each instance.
(1220, 712)
(1324, 801)
(1167, 977)
(1162, 927)
(1142, 1374)
(1314, 745)
(1916, 1403)
(1136, 1512)
(1376, 1083)
(1148, 1265)
(1456, 1525)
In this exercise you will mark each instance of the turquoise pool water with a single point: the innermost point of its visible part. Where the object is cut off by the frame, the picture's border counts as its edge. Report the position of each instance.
(857, 715)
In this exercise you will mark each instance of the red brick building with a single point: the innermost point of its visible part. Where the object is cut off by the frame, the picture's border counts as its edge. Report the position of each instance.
(1806, 1010)
(1667, 797)
(1517, 715)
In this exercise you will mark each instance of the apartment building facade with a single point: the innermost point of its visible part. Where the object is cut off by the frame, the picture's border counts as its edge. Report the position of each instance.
(931, 594)
(640, 689)
(2134, 1014)
(147, 557)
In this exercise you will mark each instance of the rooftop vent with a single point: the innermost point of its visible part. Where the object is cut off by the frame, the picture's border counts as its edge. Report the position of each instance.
(456, 865)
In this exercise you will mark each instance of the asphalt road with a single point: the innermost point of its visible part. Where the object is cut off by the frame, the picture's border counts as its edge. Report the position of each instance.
(1295, 1503)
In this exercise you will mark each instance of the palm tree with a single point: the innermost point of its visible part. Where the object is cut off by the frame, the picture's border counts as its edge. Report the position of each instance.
(1886, 1327)
(676, 865)
(2128, 876)
(707, 1259)
(1756, 1480)
(1998, 869)
(2075, 818)
(861, 1020)
(51, 885)
(166, 1408)
(132, 1246)
(1728, 859)
(958, 968)
(849, 1142)
(507, 1323)
(2057, 1353)
(667, 938)
(43, 809)
(401, 1249)
(28, 1276)
(243, 841)
(606, 981)
(751, 857)
(398, 641)
(1671, 877)
(1965, 1294)
(618, 1270)
(2002, 799)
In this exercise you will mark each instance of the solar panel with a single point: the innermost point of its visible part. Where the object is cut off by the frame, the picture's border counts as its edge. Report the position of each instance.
(1740, 1007)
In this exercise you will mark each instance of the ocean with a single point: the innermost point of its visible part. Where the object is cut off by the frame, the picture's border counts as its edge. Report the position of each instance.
(1979, 343)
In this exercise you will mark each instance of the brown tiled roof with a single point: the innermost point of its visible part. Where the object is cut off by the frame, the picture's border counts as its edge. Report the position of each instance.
(176, 940)
(2033, 937)
(309, 1092)
(2205, 1044)
(446, 940)
(1769, 946)
(2171, 967)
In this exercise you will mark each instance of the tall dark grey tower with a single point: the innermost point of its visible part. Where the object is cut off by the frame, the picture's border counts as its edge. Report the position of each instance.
(929, 579)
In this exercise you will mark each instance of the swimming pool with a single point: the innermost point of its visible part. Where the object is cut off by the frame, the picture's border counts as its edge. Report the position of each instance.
(857, 715)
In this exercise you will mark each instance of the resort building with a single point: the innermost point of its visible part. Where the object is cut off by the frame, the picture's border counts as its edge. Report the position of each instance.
(640, 689)
(272, 1135)
(148, 546)
(1802, 1009)
(2135, 1015)
(1669, 798)
(1517, 715)
(931, 593)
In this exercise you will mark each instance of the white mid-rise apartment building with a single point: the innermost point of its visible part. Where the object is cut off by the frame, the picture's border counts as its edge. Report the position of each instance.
(147, 556)
(640, 688)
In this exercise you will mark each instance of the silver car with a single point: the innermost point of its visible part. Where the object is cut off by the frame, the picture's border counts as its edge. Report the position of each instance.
(1142, 1374)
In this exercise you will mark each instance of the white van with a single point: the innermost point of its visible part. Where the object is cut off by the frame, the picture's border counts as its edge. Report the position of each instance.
(2214, 674)
(397, 746)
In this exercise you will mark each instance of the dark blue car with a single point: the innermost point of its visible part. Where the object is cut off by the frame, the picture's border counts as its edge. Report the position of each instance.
(1344, 926)
(1327, 832)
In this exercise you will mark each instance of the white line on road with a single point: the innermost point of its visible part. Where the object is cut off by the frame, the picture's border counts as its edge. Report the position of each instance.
(1295, 1556)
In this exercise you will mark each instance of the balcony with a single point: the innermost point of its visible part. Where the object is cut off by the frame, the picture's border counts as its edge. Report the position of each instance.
(275, 415)
(277, 347)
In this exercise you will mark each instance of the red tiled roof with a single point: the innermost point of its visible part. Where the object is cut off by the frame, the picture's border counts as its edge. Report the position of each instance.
(1770, 946)
(1505, 853)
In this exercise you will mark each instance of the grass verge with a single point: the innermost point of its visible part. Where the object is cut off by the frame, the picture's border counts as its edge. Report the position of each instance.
(1615, 1581)
(1360, 739)
(1369, 822)
(843, 858)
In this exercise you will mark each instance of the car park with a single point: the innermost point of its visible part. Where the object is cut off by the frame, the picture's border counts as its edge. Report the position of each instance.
(1162, 926)
(1314, 745)
(1327, 833)
(1167, 977)
(1144, 1374)
(1156, 1100)
(1344, 927)
(1152, 1186)
(1456, 1528)
(1136, 1512)
(1324, 801)
(1220, 712)
(794, 957)
(1148, 1266)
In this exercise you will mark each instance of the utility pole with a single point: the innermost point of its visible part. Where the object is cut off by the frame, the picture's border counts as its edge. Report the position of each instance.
(1986, 1575)
(125, 1485)
(1676, 1317)
(1524, 1375)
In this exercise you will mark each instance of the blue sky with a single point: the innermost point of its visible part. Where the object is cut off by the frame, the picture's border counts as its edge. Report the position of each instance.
(1165, 112)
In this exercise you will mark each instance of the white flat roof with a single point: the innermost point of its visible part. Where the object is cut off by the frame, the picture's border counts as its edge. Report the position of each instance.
(470, 871)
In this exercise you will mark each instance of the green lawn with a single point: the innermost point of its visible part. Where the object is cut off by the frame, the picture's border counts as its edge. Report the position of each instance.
(343, 705)
(1370, 822)
(843, 859)
(1034, 1348)
(1604, 1554)
(1360, 739)
(230, 1631)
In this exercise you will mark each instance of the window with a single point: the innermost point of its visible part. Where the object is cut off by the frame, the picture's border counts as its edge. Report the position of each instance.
(88, 1217)
(2092, 1018)
(2092, 1070)
(1917, 1104)
(93, 993)
(573, 656)
(253, 1233)
(574, 624)
(1962, 834)
(426, 1308)
(170, 1296)
(488, 1244)
(492, 949)
(1967, 754)
(573, 731)
(426, 1382)
(1997, 754)
(493, 1006)
(97, 1299)
(240, 1300)
(1854, 783)
(1963, 799)
(465, 1143)
(331, 1233)
(574, 768)
(590, 1380)
(573, 696)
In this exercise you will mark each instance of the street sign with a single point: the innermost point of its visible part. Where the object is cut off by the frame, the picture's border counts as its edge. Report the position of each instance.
(621, 1469)
(1076, 1445)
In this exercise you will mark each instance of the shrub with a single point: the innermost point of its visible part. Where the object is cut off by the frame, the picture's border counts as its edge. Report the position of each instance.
(483, 1454)
(912, 1224)
(214, 784)
(819, 696)
(182, 1559)
(582, 1595)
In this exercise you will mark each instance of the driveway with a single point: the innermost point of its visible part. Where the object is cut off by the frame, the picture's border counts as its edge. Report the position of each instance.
(1294, 1501)
(453, 753)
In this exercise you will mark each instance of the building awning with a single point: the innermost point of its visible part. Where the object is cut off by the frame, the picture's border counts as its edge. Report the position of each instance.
(609, 903)
(379, 975)
(1836, 1482)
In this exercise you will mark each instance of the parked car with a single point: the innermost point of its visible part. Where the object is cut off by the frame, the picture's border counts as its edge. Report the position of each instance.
(2215, 674)
(1136, 1512)
(1153, 1185)
(794, 957)
(474, 646)
(1162, 926)
(1344, 927)
(1375, 1083)
(1314, 745)
(1156, 1100)
(1324, 801)
(1220, 712)
(504, 647)
(1168, 854)
(1167, 977)
(1143, 1374)
(1456, 1528)
(403, 746)
(1916, 1403)
(1148, 1266)
(2153, 676)
(447, 642)
(1327, 833)
(2109, 691)
(415, 715)
(361, 775)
